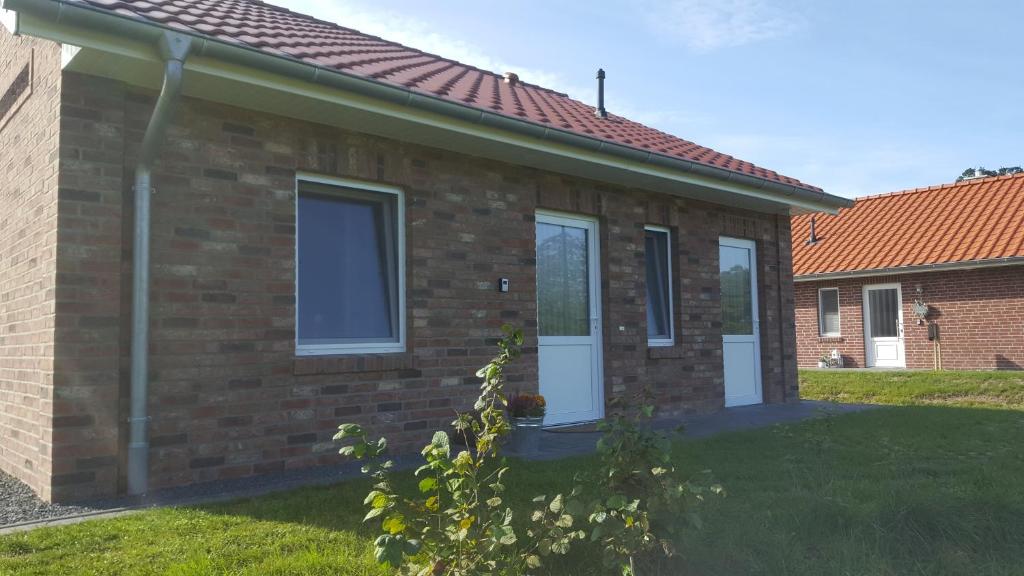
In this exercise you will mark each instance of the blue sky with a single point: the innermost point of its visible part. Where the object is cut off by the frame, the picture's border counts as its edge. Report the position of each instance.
(856, 97)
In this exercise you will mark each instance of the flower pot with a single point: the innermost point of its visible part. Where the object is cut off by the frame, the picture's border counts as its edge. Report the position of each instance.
(525, 437)
(822, 364)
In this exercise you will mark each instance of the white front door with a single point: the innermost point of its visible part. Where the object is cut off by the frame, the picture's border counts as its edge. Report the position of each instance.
(883, 326)
(741, 340)
(569, 318)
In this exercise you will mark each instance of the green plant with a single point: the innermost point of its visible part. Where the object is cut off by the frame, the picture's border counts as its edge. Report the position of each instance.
(640, 498)
(459, 524)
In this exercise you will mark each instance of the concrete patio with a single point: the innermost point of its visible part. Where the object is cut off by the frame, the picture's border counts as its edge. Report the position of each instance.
(565, 442)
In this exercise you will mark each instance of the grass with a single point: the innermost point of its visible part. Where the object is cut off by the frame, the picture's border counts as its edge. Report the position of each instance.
(973, 389)
(929, 487)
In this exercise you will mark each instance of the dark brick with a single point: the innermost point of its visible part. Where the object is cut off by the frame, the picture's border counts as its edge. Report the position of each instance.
(234, 421)
(188, 232)
(419, 425)
(206, 462)
(168, 440)
(244, 383)
(268, 467)
(296, 439)
(99, 322)
(219, 298)
(73, 478)
(333, 389)
(72, 195)
(219, 174)
(180, 322)
(73, 421)
(389, 407)
(348, 410)
(236, 347)
(96, 462)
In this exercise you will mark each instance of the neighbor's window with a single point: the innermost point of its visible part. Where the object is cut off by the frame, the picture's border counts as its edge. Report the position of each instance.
(350, 251)
(659, 286)
(828, 311)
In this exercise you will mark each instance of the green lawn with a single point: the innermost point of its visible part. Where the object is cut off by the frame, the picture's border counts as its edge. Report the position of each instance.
(973, 389)
(922, 489)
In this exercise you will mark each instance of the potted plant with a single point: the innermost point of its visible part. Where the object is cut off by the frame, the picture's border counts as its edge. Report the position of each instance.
(824, 361)
(526, 414)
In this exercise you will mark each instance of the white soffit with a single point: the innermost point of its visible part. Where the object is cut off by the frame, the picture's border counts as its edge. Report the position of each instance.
(67, 54)
(9, 19)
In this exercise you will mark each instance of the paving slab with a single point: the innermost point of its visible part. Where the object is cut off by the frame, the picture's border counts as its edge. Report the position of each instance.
(566, 442)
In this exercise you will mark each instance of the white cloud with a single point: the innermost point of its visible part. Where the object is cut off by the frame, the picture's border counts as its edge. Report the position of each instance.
(705, 25)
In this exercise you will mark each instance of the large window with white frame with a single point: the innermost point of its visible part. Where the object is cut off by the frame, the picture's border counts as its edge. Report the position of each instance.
(658, 254)
(350, 252)
(828, 312)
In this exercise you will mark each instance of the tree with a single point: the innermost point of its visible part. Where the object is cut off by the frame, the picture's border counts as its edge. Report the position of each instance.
(982, 171)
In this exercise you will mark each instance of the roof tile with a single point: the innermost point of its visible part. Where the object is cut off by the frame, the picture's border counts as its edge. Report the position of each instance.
(281, 32)
(978, 219)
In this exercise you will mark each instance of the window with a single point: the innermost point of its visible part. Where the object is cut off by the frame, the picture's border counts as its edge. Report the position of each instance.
(659, 286)
(351, 268)
(828, 311)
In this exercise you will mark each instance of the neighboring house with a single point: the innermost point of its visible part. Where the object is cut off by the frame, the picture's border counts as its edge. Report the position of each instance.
(926, 278)
(337, 228)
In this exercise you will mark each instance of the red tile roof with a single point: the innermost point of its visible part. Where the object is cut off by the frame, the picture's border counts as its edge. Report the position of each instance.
(979, 219)
(285, 33)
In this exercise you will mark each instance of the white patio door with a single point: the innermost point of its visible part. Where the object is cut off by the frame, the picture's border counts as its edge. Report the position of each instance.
(741, 340)
(883, 326)
(569, 318)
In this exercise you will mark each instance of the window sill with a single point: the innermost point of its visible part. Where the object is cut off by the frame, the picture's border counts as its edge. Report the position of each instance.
(655, 352)
(351, 363)
(836, 338)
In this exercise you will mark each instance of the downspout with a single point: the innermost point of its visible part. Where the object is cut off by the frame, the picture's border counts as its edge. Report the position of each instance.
(174, 48)
(782, 304)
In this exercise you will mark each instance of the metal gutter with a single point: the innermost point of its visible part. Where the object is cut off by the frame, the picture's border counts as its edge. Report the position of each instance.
(968, 265)
(64, 11)
(174, 48)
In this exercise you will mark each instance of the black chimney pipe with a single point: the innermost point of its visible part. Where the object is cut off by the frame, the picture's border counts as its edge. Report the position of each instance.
(601, 112)
(813, 239)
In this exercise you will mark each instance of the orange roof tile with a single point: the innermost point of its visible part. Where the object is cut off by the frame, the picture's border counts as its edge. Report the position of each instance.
(978, 219)
(288, 34)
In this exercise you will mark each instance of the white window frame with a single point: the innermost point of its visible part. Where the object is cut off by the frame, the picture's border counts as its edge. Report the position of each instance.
(355, 347)
(821, 317)
(671, 340)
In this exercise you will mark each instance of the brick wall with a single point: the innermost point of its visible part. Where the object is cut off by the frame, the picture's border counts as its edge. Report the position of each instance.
(28, 238)
(228, 396)
(980, 314)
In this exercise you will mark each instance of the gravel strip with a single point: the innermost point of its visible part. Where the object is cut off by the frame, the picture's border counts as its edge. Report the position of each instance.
(18, 503)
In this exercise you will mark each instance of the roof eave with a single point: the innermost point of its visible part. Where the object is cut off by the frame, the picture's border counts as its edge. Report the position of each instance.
(938, 267)
(63, 11)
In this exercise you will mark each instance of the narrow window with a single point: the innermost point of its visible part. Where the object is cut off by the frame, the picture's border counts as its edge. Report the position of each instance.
(659, 286)
(349, 245)
(828, 311)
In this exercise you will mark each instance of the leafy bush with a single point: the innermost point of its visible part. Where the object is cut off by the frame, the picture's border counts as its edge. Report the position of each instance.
(459, 525)
(639, 498)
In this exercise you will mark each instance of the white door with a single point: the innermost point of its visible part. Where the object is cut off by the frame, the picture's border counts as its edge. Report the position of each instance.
(883, 326)
(741, 340)
(569, 318)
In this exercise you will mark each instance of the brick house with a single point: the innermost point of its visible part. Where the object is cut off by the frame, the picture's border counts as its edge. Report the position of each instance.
(336, 228)
(929, 278)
